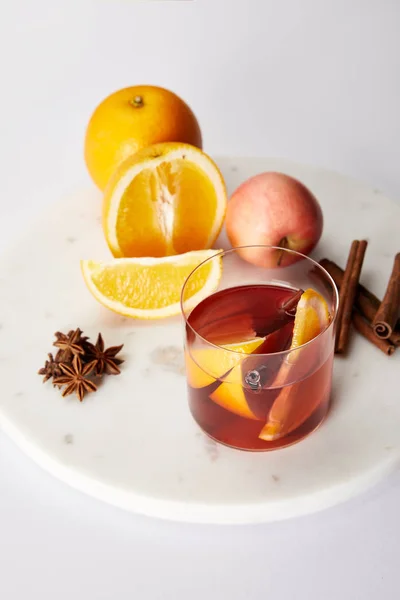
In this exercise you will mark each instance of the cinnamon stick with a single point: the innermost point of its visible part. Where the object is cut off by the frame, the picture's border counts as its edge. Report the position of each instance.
(366, 302)
(344, 286)
(387, 314)
(290, 306)
(348, 292)
(364, 299)
(364, 328)
(395, 337)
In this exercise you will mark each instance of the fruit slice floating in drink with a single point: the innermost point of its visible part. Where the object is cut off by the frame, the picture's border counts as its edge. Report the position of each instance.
(232, 397)
(312, 317)
(231, 394)
(206, 366)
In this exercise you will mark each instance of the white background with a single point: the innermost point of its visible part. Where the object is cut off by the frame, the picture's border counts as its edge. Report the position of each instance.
(313, 80)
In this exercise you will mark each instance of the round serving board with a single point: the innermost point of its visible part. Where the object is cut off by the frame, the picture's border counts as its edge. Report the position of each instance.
(133, 443)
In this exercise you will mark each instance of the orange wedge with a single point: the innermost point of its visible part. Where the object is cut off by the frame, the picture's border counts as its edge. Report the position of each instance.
(286, 415)
(230, 395)
(205, 365)
(312, 317)
(167, 199)
(150, 288)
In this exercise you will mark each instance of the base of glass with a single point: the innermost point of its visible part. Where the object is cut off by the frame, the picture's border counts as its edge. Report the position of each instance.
(301, 433)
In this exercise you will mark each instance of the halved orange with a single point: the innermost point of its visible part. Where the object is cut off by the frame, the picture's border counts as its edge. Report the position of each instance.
(150, 288)
(286, 415)
(167, 199)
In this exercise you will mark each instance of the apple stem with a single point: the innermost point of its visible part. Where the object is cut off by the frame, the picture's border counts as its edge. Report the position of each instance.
(283, 243)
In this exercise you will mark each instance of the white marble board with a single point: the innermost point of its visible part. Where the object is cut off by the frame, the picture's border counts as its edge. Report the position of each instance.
(133, 443)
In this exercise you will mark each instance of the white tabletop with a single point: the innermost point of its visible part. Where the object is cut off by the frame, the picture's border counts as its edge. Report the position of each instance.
(315, 81)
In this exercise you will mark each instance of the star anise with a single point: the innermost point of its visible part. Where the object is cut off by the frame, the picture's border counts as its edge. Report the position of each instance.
(51, 369)
(70, 344)
(105, 360)
(74, 377)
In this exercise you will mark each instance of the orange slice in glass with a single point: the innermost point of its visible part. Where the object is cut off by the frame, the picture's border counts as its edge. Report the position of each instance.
(286, 414)
(230, 395)
(205, 366)
(312, 317)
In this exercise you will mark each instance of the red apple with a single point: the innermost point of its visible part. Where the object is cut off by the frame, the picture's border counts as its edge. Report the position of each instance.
(273, 209)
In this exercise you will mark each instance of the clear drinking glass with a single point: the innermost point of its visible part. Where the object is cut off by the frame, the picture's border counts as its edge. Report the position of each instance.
(246, 388)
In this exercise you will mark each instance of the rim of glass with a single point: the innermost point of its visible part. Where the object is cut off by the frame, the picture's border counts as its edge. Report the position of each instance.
(234, 249)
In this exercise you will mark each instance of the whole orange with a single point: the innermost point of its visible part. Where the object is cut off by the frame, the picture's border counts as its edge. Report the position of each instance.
(131, 119)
